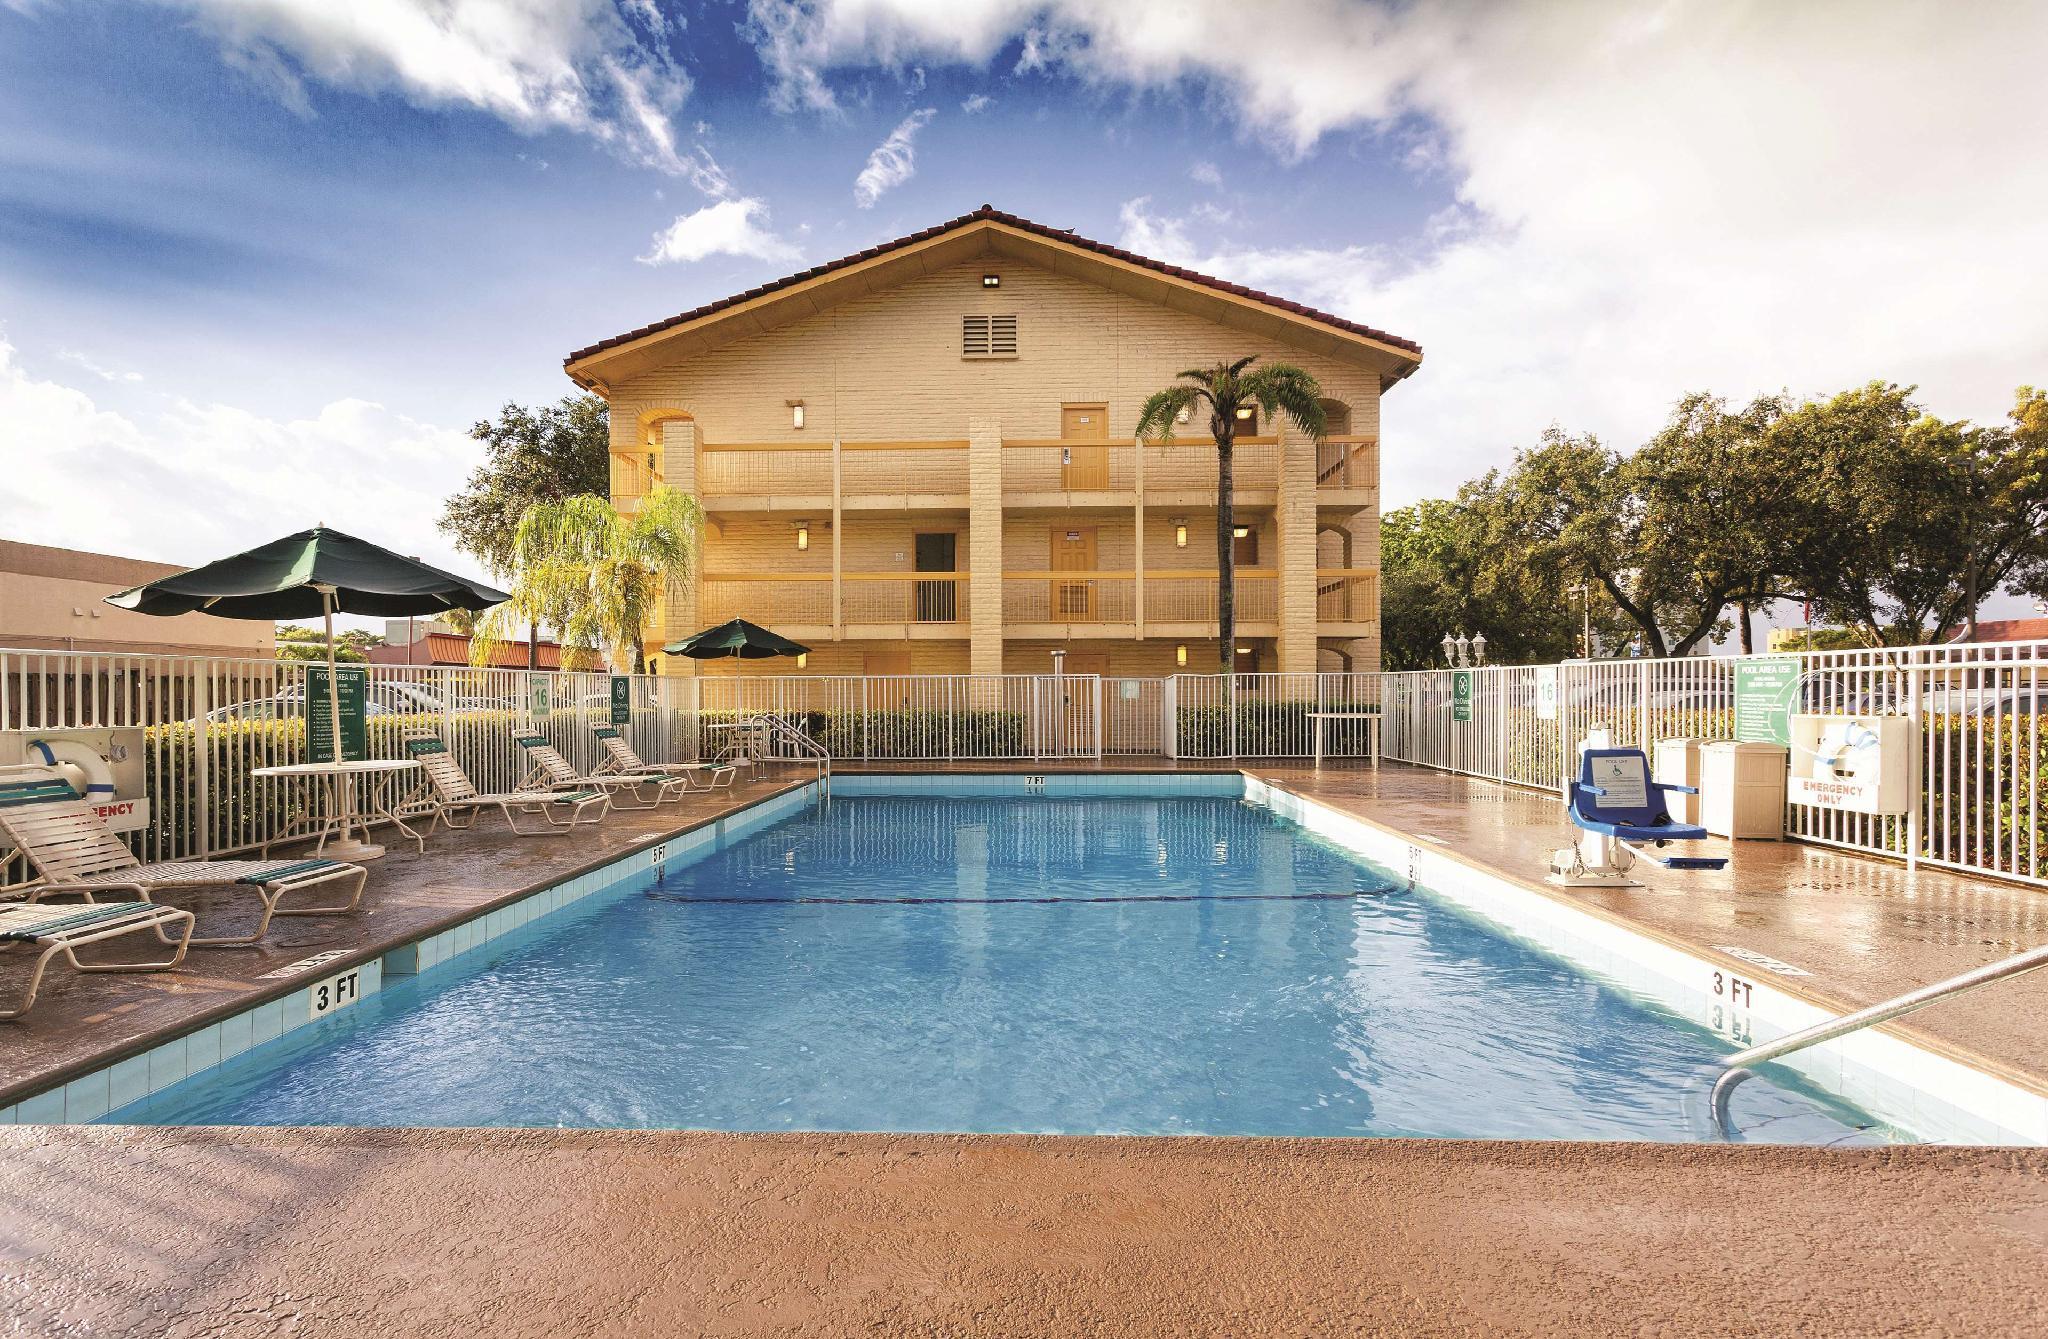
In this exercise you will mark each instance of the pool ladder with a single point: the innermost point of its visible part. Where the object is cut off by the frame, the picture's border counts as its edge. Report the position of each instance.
(1736, 1068)
(779, 733)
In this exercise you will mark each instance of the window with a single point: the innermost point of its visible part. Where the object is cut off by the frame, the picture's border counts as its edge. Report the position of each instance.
(988, 336)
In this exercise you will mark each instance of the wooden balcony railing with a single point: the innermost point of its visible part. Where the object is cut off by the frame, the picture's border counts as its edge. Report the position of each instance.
(1348, 462)
(633, 474)
(866, 597)
(1184, 596)
(1049, 465)
(1188, 466)
(1067, 597)
(1347, 594)
(804, 469)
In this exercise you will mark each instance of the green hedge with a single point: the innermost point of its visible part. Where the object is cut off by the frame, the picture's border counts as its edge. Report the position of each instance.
(1264, 729)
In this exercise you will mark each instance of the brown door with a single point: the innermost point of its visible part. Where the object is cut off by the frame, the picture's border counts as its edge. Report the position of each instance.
(1073, 601)
(1084, 467)
(937, 601)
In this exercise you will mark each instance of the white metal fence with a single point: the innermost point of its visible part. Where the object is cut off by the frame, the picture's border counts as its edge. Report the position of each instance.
(203, 724)
(1976, 709)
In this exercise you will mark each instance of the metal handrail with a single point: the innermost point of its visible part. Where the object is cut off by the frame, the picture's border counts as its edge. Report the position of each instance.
(781, 729)
(1737, 1067)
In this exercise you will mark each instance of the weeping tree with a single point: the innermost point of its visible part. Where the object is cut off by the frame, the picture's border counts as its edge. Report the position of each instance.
(1228, 393)
(594, 574)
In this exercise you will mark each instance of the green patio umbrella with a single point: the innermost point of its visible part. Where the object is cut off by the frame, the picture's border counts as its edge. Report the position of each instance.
(748, 641)
(318, 571)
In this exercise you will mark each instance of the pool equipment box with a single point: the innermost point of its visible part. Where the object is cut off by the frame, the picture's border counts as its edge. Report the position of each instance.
(1856, 764)
(1742, 789)
(1676, 762)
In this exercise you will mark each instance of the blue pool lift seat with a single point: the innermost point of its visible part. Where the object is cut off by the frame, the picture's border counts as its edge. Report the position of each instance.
(1619, 810)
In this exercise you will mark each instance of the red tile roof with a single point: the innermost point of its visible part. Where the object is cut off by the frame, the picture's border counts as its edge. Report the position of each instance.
(2003, 630)
(451, 648)
(992, 214)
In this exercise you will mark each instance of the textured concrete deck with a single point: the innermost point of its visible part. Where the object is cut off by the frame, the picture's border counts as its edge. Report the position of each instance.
(547, 1232)
(82, 1023)
(1865, 928)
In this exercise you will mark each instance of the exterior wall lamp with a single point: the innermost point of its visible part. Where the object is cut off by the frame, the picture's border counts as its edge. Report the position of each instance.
(1244, 411)
(803, 536)
(1240, 531)
(796, 413)
(991, 281)
(1180, 655)
(1180, 532)
(803, 658)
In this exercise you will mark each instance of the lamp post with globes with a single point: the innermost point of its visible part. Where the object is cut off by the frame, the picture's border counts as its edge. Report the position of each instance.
(1462, 652)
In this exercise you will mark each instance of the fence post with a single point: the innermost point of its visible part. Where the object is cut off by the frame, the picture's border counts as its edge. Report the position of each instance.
(202, 765)
(866, 723)
(1098, 718)
(952, 746)
(1169, 716)
(1917, 779)
(1230, 698)
(1643, 706)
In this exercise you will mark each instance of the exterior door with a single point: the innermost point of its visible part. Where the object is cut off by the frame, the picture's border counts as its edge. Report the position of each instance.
(937, 601)
(1073, 599)
(1084, 467)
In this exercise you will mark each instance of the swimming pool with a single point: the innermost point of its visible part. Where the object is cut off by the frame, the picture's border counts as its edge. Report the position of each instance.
(1101, 964)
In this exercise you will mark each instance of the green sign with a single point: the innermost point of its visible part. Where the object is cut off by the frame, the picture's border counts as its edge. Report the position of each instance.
(354, 703)
(537, 693)
(1766, 694)
(622, 700)
(1461, 695)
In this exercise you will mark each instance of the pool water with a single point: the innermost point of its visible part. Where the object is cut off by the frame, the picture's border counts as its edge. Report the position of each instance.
(1172, 965)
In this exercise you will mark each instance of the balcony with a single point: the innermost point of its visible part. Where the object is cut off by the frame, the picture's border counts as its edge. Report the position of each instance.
(1347, 601)
(1182, 473)
(875, 605)
(633, 475)
(1348, 473)
(1064, 604)
(1058, 473)
(1183, 603)
(798, 476)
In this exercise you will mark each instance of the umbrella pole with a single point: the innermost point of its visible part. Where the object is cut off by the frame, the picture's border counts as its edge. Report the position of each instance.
(347, 847)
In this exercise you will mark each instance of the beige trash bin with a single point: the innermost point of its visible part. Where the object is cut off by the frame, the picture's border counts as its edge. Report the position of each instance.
(1742, 789)
(1676, 762)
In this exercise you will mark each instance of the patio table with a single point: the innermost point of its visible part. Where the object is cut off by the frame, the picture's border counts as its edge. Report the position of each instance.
(340, 813)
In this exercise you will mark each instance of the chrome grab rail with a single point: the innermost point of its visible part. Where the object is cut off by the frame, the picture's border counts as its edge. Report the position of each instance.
(1737, 1066)
(779, 729)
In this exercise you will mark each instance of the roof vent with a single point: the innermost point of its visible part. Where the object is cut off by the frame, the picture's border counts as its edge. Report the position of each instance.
(988, 336)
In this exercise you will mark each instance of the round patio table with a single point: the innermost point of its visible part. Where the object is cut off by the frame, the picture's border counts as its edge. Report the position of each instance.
(340, 813)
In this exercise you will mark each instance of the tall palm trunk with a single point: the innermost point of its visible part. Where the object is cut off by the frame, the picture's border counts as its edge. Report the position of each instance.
(1226, 549)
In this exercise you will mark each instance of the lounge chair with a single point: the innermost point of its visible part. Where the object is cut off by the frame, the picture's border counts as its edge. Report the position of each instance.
(65, 930)
(621, 759)
(454, 793)
(73, 852)
(1620, 813)
(552, 770)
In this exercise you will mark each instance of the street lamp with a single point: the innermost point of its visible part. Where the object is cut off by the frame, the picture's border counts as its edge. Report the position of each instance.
(1462, 652)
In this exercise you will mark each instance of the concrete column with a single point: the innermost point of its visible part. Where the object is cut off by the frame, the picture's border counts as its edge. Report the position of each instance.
(1138, 536)
(985, 544)
(1295, 519)
(838, 547)
(678, 445)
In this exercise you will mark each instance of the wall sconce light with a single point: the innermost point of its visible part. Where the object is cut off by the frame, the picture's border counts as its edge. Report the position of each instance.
(991, 281)
(1244, 650)
(1180, 655)
(650, 462)
(1186, 412)
(796, 413)
(803, 658)
(803, 536)
(1180, 532)
(1240, 531)
(1244, 411)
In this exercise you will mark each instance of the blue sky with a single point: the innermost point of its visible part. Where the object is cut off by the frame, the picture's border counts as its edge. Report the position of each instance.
(272, 257)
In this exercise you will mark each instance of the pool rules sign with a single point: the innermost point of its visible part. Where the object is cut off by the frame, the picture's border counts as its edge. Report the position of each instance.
(1461, 695)
(622, 700)
(354, 685)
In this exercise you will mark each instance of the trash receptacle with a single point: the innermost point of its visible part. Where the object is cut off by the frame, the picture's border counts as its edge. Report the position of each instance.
(1742, 789)
(1676, 762)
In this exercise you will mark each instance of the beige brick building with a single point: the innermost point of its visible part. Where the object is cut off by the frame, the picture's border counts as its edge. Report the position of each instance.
(920, 459)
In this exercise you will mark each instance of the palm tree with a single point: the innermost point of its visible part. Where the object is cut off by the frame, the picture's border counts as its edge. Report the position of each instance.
(595, 575)
(1229, 392)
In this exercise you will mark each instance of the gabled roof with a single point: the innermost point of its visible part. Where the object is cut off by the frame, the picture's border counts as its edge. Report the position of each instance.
(1405, 354)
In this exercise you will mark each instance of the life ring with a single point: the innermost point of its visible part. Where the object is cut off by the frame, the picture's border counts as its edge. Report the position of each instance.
(62, 754)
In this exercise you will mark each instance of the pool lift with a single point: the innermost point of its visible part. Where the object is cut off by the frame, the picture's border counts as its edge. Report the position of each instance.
(1620, 814)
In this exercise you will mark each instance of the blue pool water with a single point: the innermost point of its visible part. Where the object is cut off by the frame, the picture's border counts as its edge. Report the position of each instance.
(1155, 965)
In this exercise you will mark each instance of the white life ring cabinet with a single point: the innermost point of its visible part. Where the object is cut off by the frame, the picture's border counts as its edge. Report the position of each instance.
(82, 768)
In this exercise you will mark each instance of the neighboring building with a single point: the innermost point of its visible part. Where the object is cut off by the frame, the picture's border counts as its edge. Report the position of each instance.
(920, 459)
(452, 648)
(2001, 630)
(55, 600)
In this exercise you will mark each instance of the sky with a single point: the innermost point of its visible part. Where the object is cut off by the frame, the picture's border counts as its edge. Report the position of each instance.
(264, 262)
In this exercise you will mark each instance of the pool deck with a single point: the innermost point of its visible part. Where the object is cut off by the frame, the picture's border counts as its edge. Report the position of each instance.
(196, 1231)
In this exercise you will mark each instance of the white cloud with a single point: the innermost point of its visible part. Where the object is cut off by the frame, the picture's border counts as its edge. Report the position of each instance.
(894, 160)
(976, 103)
(598, 68)
(77, 359)
(1647, 199)
(191, 482)
(1206, 173)
(728, 228)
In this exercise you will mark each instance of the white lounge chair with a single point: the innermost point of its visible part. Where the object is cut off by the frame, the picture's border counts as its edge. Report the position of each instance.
(621, 759)
(67, 929)
(454, 793)
(72, 851)
(551, 769)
